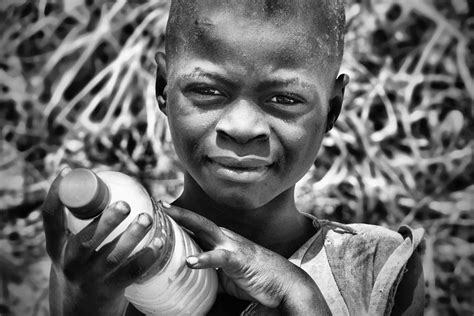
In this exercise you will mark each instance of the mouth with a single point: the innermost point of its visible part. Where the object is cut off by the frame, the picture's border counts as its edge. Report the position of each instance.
(243, 170)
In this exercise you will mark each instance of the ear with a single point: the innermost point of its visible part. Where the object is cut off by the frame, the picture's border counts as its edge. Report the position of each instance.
(335, 103)
(161, 82)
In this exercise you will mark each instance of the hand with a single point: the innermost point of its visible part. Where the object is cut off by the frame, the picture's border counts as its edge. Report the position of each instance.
(249, 271)
(84, 280)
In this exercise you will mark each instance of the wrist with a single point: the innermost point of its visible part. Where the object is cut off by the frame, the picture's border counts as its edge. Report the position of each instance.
(75, 300)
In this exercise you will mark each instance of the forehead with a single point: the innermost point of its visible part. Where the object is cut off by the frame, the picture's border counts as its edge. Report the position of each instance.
(286, 39)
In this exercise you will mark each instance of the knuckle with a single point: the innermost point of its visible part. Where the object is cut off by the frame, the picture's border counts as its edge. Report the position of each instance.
(136, 231)
(208, 224)
(178, 211)
(226, 256)
(228, 234)
(84, 247)
(228, 246)
(70, 271)
(204, 220)
(112, 260)
(110, 219)
(135, 270)
(75, 253)
(139, 264)
(186, 217)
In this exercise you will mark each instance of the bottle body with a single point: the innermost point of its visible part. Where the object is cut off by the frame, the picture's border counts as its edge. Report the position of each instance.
(183, 291)
(169, 287)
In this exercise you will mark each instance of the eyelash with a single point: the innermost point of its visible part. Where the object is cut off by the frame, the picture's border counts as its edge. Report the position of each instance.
(207, 91)
(294, 100)
(210, 92)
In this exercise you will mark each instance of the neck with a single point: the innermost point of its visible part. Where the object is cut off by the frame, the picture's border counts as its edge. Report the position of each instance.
(277, 225)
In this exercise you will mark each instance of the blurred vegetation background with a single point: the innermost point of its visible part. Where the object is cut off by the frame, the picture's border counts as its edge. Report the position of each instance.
(77, 88)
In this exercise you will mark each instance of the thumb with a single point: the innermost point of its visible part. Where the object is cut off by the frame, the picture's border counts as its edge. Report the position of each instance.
(217, 258)
(54, 219)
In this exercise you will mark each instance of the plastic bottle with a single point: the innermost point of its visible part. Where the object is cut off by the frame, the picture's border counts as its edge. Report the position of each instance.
(169, 287)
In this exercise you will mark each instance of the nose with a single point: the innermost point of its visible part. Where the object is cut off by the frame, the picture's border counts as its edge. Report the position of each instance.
(243, 122)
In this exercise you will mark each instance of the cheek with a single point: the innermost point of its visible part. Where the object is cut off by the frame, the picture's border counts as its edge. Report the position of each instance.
(181, 129)
(188, 126)
(302, 144)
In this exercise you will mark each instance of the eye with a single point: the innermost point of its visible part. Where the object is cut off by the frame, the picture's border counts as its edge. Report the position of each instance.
(204, 95)
(286, 100)
(207, 91)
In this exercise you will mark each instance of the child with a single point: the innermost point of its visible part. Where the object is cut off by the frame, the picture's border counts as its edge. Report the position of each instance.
(249, 88)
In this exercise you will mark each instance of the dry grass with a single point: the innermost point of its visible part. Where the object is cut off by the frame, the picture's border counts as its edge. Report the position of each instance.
(77, 87)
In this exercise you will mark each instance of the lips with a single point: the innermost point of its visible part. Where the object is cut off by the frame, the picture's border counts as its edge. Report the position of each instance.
(239, 169)
(248, 162)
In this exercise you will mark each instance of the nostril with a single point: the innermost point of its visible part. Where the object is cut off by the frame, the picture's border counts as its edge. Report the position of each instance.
(224, 135)
(261, 137)
(242, 138)
(243, 122)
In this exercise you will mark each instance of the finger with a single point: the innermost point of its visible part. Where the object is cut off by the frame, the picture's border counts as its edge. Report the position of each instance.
(81, 246)
(134, 268)
(128, 241)
(204, 230)
(54, 220)
(81, 255)
(217, 258)
(101, 227)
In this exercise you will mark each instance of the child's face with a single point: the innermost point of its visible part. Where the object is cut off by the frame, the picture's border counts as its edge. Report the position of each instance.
(247, 105)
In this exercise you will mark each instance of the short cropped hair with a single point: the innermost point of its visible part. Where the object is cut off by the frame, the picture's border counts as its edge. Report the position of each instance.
(323, 21)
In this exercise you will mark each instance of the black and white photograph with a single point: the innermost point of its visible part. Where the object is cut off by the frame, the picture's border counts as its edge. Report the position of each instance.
(236, 157)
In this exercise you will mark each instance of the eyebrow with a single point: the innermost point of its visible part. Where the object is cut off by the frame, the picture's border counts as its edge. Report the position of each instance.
(284, 82)
(200, 74)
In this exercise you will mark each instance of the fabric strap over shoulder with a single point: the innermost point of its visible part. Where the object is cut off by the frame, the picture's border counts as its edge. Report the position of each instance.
(381, 300)
(369, 265)
(357, 267)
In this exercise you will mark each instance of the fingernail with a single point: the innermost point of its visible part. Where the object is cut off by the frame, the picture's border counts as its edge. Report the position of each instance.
(122, 207)
(346, 79)
(192, 260)
(157, 243)
(165, 204)
(65, 171)
(156, 57)
(144, 220)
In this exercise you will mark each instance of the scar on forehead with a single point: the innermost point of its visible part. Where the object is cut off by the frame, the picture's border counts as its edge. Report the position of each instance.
(202, 26)
(198, 73)
(204, 22)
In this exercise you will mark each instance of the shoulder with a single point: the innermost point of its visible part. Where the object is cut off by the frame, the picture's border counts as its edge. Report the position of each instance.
(371, 244)
(365, 234)
(383, 265)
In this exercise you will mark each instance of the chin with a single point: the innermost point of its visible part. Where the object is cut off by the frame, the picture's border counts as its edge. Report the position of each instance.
(238, 200)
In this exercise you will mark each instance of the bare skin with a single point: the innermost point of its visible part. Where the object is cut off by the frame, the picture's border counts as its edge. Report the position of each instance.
(84, 281)
(247, 120)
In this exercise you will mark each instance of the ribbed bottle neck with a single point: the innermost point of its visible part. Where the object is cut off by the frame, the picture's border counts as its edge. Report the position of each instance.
(165, 235)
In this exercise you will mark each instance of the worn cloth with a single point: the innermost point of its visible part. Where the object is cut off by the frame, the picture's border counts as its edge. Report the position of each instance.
(357, 267)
